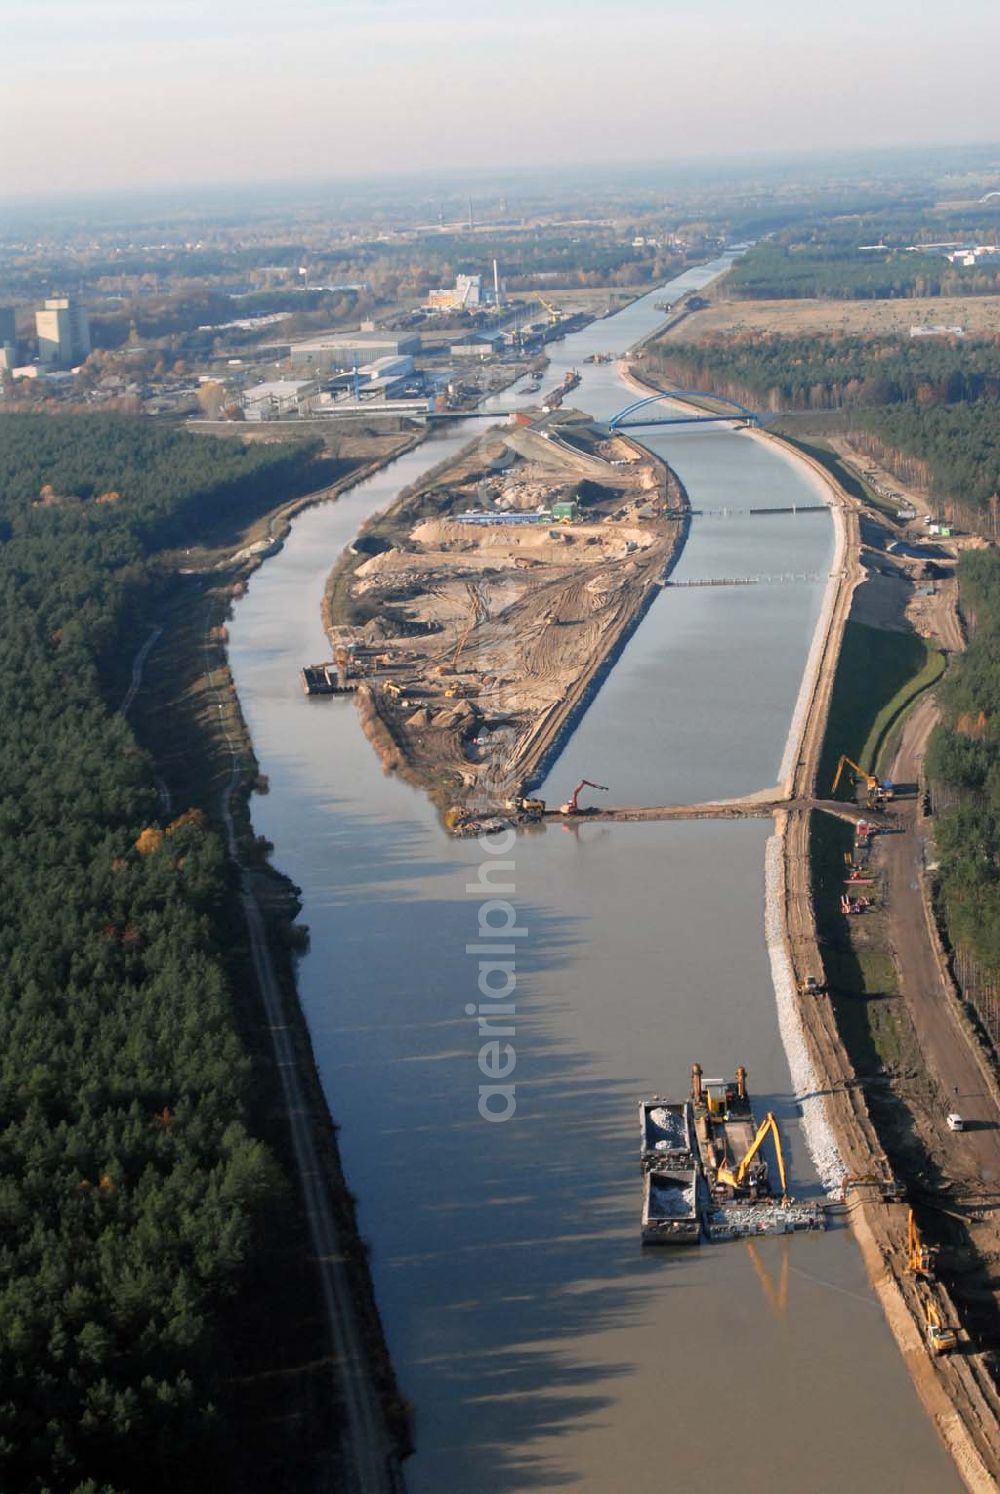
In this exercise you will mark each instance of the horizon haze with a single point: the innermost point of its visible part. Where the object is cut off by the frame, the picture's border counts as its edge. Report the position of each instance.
(105, 96)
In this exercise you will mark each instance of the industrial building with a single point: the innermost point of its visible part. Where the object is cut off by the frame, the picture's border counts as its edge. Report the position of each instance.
(979, 254)
(386, 378)
(345, 350)
(276, 400)
(477, 345)
(465, 295)
(63, 331)
(393, 367)
(8, 340)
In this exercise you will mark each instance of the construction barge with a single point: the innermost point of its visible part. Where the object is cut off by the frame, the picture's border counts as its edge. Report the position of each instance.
(673, 1201)
(325, 679)
(705, 1173)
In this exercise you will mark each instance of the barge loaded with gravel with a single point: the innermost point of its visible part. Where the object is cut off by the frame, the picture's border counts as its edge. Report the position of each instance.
(673, 1192)
(671, 1214)
(705, 1169)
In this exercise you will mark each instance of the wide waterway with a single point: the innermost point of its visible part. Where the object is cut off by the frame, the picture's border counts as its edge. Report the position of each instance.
(540, 1346)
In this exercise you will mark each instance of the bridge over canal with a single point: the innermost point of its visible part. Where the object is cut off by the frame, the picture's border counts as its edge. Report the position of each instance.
(630, 419)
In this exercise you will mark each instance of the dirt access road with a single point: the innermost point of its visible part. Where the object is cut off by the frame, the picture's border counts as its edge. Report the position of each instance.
(957, 1390)
(970, 1158)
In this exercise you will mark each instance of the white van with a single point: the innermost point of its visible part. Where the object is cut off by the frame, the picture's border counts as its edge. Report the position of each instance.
(955, 1122)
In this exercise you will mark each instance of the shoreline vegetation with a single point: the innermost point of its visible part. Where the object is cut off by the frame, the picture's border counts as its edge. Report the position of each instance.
(153, 1123)
(963, 769)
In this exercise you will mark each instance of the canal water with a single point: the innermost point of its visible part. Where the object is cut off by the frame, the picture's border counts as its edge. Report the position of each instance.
(541, 1348)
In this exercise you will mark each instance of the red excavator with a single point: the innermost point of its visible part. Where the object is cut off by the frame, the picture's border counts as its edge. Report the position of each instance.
(571, 806)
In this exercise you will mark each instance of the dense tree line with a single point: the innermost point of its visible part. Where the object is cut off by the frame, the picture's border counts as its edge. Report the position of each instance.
(964, 758)
(957, 448)
(132, 1189)
(787, 271)
(831, 373)
(170, 484)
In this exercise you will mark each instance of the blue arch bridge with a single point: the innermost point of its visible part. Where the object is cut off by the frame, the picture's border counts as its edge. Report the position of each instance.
(733, 411)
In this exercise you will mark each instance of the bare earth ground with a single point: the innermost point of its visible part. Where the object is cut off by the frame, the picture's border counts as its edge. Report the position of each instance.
(978, 315)
(480, 641)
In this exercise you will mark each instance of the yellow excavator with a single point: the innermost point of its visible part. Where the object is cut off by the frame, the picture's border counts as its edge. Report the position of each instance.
(555, 315)
(940, 1339)
(919, 1257)
(878, 793)
(746, 1175)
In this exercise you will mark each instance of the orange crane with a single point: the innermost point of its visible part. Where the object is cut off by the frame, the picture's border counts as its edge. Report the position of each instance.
(571, 806)
(878, 793)
(919, 1257)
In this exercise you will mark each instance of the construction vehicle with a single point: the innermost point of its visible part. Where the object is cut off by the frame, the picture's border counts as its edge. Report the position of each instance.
(877, 792)
(572, 806)
(555, 315)
(751, 1175)
(919, 1257)
(889, 1190)
(810, 986)
(532, 809)
(940, 1339)
(743, 1201)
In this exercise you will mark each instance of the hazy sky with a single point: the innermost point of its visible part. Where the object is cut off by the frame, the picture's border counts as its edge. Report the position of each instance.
(110, 93)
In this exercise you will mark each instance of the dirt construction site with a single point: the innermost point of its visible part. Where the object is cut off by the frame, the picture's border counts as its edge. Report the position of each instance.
(473, 616)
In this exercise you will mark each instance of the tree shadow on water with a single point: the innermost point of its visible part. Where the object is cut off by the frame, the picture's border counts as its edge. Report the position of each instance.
(495, 1246)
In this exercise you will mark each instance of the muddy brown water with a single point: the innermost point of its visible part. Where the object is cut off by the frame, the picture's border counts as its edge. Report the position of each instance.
(541, 1347)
